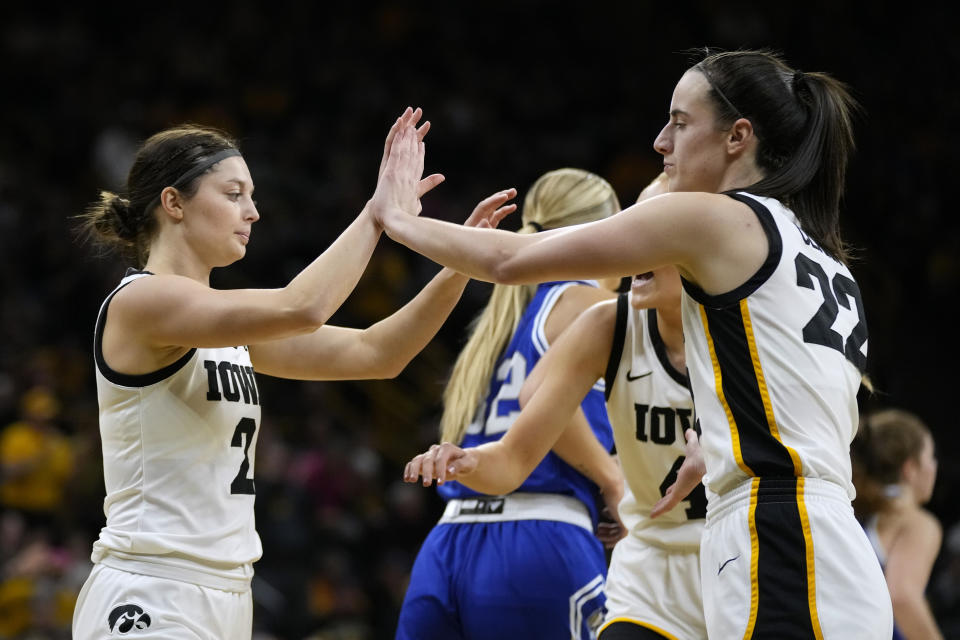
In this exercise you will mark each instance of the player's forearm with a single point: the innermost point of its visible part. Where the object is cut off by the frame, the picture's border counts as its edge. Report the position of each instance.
(478, 253)
(500, 470)
(320, 289)
(397, 339)
(913, 617)
(579, 447)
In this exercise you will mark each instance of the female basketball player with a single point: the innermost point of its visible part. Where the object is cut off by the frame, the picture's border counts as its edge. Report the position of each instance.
(756, 154)
(894, 470)
(526, 564)
(179, 403)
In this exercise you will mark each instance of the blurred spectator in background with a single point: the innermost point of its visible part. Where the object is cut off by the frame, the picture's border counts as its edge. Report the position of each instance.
(36, 458)
(895, 469)
(37, 582)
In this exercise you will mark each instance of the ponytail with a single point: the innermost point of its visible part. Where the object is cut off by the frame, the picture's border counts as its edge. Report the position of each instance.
(804, 131)
(557, 199)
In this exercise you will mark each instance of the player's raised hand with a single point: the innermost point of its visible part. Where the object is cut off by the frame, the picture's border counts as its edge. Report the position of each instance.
(689, 475)
(410, 118)
(491, 210)
(442, 462)
(398, 190)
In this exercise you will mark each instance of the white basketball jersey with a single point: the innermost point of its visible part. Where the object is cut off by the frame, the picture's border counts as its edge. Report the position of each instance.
(775, 364)
(178, 458)
(650, 407)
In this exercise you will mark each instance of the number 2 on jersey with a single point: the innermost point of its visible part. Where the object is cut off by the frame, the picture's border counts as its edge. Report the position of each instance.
(819, 329)
(242, 484)
(506, 406)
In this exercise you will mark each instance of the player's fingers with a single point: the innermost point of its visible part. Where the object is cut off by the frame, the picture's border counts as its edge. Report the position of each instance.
(422, 130)
(428, 465)
(405, 116)
(664, 504)
(445, 454)
(388, 143)
(409, 475)
(464, 464)
(501, 213)
(428, 183)
(415, 116)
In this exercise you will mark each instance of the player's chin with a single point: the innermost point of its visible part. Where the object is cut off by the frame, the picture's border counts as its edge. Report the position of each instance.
(644, 300)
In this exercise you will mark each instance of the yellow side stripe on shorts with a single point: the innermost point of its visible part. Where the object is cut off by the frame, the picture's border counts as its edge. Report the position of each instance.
(718, 383)
(647, 625)
(754, 560)
(762, 383)
(811, 577)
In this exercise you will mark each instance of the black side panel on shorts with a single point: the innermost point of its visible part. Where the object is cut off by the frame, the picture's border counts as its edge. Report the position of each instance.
(623, 630)
(783, 610)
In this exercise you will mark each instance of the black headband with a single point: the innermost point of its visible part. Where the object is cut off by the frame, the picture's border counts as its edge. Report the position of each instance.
(706, 74)
(202, 166)
(187, 176)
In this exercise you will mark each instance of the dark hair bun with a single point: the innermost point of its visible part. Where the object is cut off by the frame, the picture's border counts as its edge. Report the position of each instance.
(117, 216)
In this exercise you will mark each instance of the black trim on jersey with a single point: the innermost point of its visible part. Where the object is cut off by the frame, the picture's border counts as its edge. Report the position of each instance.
(774, 251)
(760, 450)
(626, 630)
(660, 348)
(125, 379)
(783, 609)
(616, 350)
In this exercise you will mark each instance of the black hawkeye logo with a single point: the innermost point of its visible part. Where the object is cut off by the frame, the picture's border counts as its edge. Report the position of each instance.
(631, 378)
(127, 617)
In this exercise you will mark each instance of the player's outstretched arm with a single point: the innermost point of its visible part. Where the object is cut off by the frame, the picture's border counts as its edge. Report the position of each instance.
(166, 310)
(385, 348)
(500, 467)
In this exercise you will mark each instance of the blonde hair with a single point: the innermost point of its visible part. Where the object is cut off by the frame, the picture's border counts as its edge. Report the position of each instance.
(557, 199)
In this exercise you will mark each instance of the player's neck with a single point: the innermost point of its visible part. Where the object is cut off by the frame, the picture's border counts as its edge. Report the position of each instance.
(670, 326)
(163, 260)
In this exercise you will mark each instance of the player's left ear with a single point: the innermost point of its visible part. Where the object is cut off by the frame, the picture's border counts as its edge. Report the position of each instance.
(740, 136)
(171, 203)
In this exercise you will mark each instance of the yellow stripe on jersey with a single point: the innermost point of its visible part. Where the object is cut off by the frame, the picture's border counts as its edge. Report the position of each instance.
(718, 382)
(754, 560)
(811, 576)
(646, 625)
(762, 383)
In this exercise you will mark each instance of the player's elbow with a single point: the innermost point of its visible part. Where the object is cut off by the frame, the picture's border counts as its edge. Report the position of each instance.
(301, 314)
(507, 270)
(905, 599)
(390, 370)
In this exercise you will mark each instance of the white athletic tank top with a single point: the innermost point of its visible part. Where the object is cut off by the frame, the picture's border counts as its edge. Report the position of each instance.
(775, 364)
(650, 407)
(178, 457)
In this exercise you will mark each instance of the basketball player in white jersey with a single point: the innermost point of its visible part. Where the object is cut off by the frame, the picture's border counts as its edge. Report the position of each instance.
(179, 403)
(756, 154)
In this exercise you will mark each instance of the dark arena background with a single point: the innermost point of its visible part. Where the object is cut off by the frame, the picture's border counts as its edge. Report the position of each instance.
(512, 90)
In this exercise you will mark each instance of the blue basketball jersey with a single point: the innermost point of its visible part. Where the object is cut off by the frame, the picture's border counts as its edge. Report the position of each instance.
(502, 406)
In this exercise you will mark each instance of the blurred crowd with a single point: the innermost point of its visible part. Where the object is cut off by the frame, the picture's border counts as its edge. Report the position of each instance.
(310, 91)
